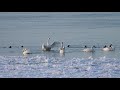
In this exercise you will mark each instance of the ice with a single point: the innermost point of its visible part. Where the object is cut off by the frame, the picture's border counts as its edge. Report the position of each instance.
(58, 67)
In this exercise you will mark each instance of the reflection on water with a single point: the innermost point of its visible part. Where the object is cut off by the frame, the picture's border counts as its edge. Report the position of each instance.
(62, 54)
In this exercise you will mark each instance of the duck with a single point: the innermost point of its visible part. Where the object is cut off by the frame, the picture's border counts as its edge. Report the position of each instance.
(48, 47)
(62, 49)
(10, 46)
(68, 46)
(21, 46)
(26, 51)
(88, 49)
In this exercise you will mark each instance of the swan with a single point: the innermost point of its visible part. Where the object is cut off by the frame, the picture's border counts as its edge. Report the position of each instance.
(48, 47)
(88, 49)
(62, 49)
(26, 51)
(105, 48)
(108, 48)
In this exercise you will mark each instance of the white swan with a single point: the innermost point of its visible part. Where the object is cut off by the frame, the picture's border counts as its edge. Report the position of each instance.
(48, 47)
(62, 49)
(105, 48)
(88, 49)
(108, 48)
(26, 51)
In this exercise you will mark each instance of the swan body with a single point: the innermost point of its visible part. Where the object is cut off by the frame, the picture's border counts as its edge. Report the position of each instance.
(108, 48)
(26, 51)
(88, 49)
(48, 47)
(62, 49)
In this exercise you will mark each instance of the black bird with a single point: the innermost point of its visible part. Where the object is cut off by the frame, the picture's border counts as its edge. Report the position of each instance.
(105, 46)
(10, 46)
(68, 46)
(85, 46)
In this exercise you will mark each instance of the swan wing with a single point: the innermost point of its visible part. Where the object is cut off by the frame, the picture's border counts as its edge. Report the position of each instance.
(55, 44)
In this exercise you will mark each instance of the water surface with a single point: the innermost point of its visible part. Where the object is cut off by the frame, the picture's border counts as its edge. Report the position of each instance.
(31, 30)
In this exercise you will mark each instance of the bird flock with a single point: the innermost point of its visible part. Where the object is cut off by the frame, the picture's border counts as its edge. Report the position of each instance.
(48, 47)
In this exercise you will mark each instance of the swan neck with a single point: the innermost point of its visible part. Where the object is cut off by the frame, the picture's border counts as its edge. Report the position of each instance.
(62, 44)
(48, 41)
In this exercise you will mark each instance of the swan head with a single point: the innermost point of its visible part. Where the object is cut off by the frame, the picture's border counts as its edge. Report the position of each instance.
(105, 46)
(110, 45)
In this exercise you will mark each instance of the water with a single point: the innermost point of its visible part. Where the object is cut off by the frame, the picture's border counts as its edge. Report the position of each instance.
(31, 30)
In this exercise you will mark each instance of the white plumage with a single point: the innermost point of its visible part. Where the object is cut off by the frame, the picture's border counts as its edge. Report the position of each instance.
(62, 49)
(108, 48)
(26, 51)
(88, 49)
(48, 47)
